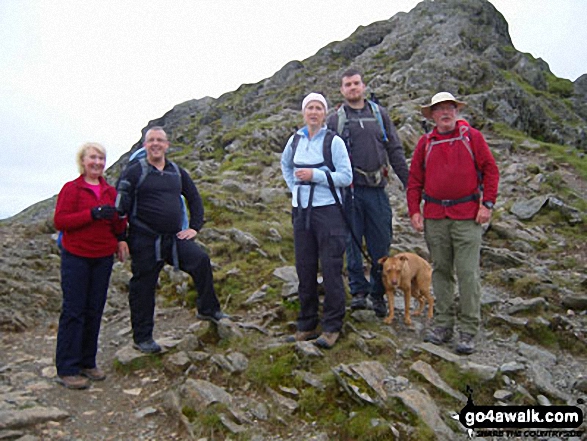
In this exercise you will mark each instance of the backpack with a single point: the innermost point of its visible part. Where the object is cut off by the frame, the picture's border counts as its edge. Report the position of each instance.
(464, 136)
(326, 150)
(343, 120)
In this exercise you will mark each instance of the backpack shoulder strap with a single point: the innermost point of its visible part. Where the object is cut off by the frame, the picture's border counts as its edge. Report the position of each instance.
(176, 168)
(377, 112)
(327, 149)
(144, 172)
(294, 144)
(342, 120)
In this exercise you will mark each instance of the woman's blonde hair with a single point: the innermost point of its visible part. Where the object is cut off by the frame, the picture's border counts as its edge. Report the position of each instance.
(83, 150)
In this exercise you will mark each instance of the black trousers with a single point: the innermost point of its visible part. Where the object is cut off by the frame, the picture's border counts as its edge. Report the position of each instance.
(322, 242)
(84, 281)
(145, 274)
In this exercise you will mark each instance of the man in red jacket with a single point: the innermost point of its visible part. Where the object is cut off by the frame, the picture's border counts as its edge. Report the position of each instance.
(455, 174)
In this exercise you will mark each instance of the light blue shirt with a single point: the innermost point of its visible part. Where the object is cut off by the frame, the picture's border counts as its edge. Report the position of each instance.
(310, 151)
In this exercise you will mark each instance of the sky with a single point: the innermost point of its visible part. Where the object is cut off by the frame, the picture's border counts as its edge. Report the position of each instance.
(98, 70)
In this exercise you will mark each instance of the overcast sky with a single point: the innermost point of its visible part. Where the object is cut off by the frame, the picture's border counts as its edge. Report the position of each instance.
(73, 71)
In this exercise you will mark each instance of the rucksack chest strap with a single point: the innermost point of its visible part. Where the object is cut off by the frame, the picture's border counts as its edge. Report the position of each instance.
(310, 200)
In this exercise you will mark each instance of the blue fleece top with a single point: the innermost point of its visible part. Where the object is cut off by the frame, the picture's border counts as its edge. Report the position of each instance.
(309, 151)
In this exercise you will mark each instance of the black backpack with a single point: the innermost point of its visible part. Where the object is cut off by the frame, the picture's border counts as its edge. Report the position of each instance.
(326, 149)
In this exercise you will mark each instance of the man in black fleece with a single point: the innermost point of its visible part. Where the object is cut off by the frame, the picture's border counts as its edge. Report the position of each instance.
(150, 193)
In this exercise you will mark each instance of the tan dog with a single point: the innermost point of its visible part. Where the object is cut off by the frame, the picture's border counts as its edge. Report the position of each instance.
(413, 276)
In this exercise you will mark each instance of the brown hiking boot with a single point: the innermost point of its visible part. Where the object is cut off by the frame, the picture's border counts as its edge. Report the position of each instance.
(327, 340)
(302, 336)
(74, 382)
(94, 374)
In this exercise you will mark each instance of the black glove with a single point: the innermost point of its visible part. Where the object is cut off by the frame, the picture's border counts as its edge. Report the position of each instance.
(103, 212)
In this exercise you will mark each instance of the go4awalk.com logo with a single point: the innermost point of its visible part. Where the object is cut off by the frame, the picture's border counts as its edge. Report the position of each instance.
(520, 421)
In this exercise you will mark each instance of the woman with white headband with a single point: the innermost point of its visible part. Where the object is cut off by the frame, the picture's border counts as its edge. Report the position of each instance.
(316, 167)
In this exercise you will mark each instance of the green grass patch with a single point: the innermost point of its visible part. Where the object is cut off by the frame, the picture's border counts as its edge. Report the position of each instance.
(152, 361)
(273, 367)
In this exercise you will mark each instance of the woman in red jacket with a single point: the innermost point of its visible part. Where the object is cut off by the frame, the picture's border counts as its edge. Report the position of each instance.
(86, 215)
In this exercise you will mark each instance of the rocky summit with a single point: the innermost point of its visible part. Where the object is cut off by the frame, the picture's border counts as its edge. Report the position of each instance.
(241, 380)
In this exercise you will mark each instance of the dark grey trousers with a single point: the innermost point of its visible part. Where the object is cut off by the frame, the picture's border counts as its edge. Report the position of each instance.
(322, 242)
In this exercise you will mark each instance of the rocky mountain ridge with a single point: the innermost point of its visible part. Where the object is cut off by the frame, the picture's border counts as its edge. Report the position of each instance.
(380, 382)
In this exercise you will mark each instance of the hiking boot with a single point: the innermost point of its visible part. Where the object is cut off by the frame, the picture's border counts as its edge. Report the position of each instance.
(466, 345)
(74, 381)
(147, 347)
(438, 335)
(214, 317)
(326, 340)
(302, 336)
(379, 307)
(94, 374)
(359, 301)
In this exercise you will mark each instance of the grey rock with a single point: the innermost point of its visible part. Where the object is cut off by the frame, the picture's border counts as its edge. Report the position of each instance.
(284, 402)
(543, 380)
(247, 241)
(231, 425)
(287, 273)
(501, 257)
(512, 367)
(537, 355)
(434, 379)
(440, 352)
(543, 401)
(289, 291)
(424, 407)
(199, 394)
(22, 418)
(527, 209)
(481, 370)
(257, 296)
(581, 384)
(198, 356)
(179, 359)
(145, 412)
(239, 361)
(127, 354)
(372, 373)
(575, 301)
(311, 379)
(308, 349)
(260, 411)
(536, 304)
(502, 395)
(514, 322)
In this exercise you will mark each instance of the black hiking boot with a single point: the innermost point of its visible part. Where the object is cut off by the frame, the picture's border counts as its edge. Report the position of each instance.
(359, 301)
(438, 335)
(466, 345)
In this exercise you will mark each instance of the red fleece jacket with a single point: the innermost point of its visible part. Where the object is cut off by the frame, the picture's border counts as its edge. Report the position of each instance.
(82, 235)
(451, 174)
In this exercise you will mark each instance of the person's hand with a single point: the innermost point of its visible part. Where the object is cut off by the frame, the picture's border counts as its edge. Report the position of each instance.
(483, 215)
(187, 234)
(123, 252)
(304, 174)
(417, 222)
(103, 212)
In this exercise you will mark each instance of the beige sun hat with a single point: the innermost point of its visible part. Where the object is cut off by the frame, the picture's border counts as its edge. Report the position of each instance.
(441, 97)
